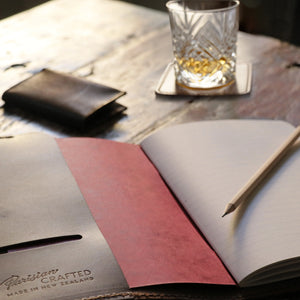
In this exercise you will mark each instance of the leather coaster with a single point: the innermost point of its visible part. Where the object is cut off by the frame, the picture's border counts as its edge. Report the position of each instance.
(66, 99)
(242, 85)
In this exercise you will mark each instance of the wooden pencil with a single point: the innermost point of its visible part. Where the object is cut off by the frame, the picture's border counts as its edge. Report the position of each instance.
(261, 173)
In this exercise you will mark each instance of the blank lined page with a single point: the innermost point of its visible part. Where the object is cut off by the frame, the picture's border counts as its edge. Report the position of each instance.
(206, 163)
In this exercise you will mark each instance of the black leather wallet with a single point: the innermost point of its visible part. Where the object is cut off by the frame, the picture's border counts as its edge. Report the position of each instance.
(72, 101)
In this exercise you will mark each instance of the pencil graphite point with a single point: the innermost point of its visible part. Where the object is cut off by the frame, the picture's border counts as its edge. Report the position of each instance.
(229, 209)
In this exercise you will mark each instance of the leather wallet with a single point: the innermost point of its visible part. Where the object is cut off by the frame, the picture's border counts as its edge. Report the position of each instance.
(66, 99)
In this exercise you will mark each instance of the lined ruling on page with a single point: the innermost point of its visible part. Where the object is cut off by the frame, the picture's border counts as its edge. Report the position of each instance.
(206, 163)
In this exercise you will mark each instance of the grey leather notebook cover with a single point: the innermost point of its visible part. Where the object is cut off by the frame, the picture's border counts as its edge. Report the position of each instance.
(50, 246)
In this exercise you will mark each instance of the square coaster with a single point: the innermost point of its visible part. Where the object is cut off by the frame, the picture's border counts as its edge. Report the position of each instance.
(242, 85)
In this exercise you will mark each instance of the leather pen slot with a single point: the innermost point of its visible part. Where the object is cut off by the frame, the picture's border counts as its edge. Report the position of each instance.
(39, 243)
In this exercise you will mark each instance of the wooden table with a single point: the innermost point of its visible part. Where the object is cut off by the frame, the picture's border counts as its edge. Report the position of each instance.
(128, 47)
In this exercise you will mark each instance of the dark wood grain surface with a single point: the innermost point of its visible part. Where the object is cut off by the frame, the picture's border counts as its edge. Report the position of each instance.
(128, 47)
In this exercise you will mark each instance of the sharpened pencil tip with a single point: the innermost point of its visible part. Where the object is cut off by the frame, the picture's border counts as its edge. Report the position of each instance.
(229, 209)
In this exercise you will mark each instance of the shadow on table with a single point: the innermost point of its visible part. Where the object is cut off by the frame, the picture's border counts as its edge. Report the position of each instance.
(98, 125)
(11, 7)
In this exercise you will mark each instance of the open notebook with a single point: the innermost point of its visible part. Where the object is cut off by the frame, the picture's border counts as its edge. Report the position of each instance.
(159, 207)
(206, 163)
